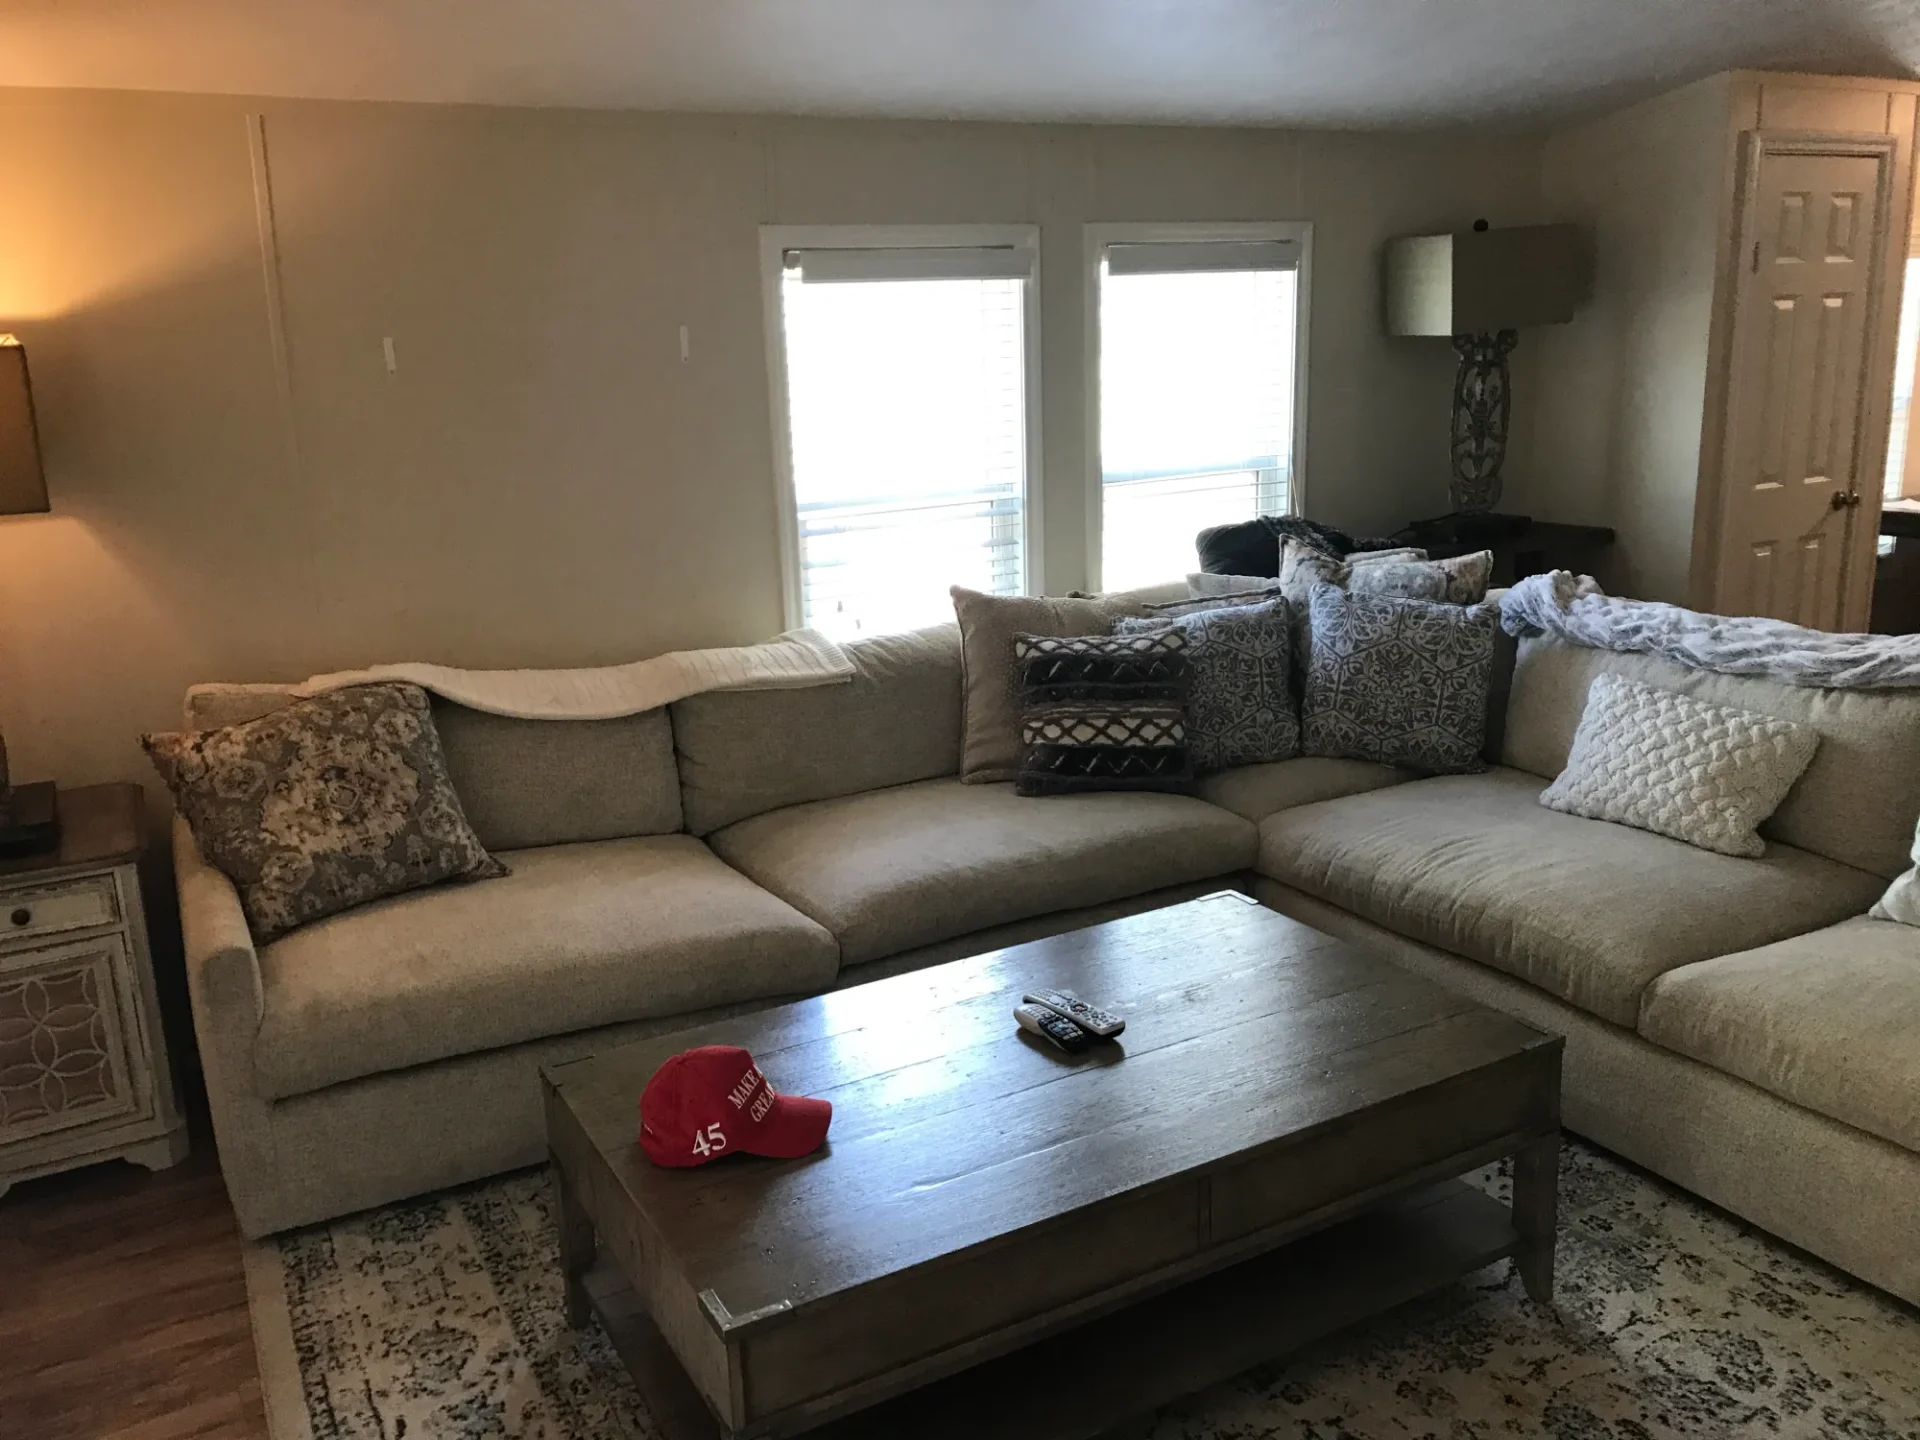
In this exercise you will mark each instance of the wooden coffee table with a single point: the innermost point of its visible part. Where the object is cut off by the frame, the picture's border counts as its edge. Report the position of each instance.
(1268, 1154)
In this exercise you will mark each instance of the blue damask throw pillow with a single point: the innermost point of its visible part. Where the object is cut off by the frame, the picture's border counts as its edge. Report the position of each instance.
(1402, 682)
(1240, 710)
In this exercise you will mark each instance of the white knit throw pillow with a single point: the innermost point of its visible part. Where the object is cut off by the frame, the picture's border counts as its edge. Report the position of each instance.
(1665, 762)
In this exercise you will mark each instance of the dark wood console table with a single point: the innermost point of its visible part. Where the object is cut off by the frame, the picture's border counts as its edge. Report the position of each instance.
(1521, 546)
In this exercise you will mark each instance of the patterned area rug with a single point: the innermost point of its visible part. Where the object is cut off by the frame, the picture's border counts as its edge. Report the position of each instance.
(441, 1318)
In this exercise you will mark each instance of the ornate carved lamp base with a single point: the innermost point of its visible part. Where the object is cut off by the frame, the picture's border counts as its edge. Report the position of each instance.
(1482, 405)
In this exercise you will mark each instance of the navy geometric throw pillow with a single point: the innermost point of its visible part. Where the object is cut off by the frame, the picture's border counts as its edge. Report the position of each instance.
(1103, 712)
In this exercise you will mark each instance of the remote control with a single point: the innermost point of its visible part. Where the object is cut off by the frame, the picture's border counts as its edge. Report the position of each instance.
(1088, 1017)
(1050, 1027)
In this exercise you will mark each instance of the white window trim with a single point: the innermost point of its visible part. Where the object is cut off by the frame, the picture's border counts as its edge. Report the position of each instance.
(1096, 238)
(775, 241)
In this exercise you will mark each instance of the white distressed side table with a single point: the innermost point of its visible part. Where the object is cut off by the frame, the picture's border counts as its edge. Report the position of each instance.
(84, 1073)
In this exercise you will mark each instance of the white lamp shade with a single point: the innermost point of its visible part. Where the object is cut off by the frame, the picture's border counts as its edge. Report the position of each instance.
(1474, 282)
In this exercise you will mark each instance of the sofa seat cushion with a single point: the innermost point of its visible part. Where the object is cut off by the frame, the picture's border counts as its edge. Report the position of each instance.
(577, 936)
(1257, 791)
(1825, 1020)
(916, 864)
(1588, 911)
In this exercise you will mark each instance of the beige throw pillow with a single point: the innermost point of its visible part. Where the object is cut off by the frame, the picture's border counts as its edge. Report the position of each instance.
(990, 711)
(1660, 761)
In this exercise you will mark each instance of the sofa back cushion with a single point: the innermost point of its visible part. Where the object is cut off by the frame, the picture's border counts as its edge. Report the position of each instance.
(744, 752)
(551, 782)
(1857, 801)
(523, 783)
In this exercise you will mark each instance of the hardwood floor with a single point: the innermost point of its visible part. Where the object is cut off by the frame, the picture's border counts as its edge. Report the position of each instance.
(123, 1307)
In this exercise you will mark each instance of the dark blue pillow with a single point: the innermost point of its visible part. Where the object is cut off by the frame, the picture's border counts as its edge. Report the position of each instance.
(1102, 712)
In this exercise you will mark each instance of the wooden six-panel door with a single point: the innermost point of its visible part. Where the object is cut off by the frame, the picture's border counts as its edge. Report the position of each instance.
(1799, 509)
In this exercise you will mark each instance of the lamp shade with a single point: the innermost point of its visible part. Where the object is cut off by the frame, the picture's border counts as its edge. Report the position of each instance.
(1476, 282)
(23, 484)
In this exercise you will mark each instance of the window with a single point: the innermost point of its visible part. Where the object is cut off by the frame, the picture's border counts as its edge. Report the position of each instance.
(1903, 455)
(1199, 393)
(902, 360)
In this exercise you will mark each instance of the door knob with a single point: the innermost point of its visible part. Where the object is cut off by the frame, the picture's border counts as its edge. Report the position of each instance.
(1842, 500)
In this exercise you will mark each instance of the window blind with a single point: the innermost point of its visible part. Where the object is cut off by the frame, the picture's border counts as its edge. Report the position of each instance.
(907, 412)
(1196, 398)
(1200, 257)
(918, 262)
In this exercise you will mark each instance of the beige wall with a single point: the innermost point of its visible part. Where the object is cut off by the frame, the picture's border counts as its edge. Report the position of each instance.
(543, 481)
(1617, 393)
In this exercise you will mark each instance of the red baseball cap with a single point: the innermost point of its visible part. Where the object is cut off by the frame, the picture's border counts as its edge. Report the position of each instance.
(706, 1103)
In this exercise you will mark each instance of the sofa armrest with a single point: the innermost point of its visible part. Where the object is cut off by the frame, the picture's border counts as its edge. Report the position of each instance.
(223, 970)
(229, 1001)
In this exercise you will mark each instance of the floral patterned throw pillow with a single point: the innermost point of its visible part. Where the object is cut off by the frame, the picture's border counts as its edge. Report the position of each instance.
(323, 805)
(1460, 580)
(1402, 682)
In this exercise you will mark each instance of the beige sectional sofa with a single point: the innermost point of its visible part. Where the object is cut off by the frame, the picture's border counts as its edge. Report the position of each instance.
(1735, 1025)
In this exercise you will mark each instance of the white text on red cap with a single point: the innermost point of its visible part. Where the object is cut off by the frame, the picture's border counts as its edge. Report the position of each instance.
(752, 1086)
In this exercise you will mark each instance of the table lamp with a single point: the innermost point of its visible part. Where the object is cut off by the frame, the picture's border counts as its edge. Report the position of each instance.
(28, 820)
(1479, 288)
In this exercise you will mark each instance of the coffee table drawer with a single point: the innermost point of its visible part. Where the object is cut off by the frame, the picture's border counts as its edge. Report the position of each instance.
(1388, 1148)
(865, 1334)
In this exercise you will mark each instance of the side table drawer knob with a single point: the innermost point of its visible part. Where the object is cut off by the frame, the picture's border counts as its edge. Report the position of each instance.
(21, 916)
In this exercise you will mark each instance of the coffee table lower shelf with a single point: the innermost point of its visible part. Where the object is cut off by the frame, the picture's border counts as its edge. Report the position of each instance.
(1147, 1353)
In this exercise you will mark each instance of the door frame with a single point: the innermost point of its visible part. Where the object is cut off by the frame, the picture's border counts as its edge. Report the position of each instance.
(1872, 413)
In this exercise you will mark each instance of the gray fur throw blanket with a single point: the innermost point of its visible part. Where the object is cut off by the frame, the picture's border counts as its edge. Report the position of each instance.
(1573, 608)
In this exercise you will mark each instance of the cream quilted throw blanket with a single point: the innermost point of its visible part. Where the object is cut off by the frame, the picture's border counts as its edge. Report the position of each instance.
(791, 661)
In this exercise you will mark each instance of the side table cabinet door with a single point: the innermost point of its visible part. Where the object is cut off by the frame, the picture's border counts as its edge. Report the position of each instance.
(64, 1039)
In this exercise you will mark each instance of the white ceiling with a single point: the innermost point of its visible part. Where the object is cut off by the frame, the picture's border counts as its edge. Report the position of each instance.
(1312, 62)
